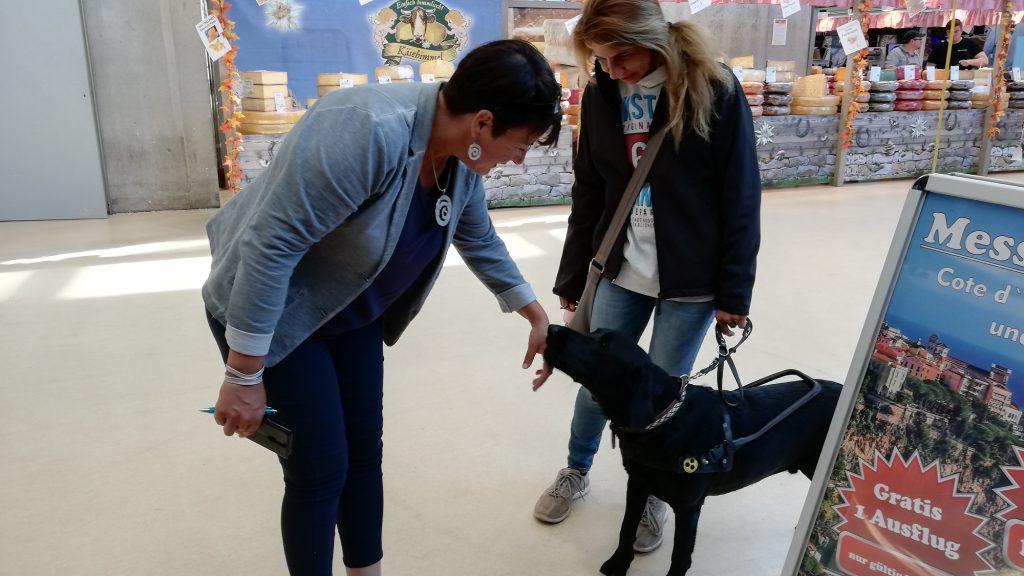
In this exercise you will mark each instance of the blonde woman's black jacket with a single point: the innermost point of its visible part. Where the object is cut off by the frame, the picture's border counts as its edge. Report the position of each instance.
(706, 197)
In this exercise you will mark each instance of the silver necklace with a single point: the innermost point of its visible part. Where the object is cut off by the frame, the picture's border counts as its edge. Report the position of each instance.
(443, 206)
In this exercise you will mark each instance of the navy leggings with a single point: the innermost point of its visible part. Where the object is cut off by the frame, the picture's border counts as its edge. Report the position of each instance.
(329, 391)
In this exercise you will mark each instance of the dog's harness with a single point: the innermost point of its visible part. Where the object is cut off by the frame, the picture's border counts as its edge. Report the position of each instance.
(720, 457)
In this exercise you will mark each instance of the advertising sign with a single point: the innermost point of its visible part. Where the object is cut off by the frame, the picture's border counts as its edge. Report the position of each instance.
(923, 471)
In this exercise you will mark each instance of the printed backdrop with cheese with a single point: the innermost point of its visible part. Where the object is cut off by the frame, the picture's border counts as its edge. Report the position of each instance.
(309, 38)
(929, 478)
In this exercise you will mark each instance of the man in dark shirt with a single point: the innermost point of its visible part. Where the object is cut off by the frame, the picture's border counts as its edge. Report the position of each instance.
(967, 54)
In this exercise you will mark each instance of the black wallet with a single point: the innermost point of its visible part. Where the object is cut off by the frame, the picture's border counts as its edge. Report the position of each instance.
(274, 436)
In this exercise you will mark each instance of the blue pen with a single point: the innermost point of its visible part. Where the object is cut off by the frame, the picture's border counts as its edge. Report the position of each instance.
(211, 410)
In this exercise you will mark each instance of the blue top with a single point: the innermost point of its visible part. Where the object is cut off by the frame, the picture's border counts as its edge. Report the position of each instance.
(318, 226)
(419, 245)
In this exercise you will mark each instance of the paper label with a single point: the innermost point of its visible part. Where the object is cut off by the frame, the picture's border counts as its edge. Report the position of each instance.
(929, 73)
(248, 89)
(954, 72)
(790, 7)
(909, 73)
(852, 37)
(571, 23)
(875, 74)
(769, 74)
(345, 83)
(210, 31)
(558, 78)
(738, 71)
(698, 5)
(279, 104)
(427, 78)
(1015, 74)
(779, 32)
(384, 79)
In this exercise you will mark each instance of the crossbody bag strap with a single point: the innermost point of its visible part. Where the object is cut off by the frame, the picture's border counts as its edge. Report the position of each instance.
(636, 182)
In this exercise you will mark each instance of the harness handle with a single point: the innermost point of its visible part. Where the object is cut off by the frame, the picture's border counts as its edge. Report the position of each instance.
(725, 354)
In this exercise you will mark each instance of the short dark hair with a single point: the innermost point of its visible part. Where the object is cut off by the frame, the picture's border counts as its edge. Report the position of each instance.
(911, 35)
(512, 80)
(955, 22)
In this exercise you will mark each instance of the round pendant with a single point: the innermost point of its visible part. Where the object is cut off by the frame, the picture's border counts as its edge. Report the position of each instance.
(442, 210)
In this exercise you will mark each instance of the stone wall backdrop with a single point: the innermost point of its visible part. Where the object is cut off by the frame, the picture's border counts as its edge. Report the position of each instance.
(1006, 146)
(794, 150)
(545, 177)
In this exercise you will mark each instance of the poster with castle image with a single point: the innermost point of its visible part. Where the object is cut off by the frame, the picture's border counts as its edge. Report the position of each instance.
(928, 476)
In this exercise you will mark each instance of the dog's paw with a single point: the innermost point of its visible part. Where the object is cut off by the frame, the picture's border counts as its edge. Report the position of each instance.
(617, 565)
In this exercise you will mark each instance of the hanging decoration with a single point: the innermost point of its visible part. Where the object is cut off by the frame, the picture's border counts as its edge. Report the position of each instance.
(998, 79)
(230, 102)
(860, 63)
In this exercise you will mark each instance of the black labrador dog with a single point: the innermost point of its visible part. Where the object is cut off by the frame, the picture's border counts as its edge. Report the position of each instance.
(678, 439)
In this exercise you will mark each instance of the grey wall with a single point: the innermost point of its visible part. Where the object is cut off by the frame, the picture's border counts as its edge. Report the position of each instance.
(153, 100)
(745, 29)
(49, 152)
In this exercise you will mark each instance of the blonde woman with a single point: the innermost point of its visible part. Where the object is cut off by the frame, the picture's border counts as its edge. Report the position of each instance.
(688, 254)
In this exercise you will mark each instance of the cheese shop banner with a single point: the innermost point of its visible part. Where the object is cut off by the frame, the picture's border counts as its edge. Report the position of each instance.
(309, 37)
(929, 470)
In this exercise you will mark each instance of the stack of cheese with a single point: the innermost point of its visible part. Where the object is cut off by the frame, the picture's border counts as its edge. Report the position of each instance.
(754, 91)
(266, 107)
(1015, 93)
(909, 95)
(570, 107)
(784, 69)
(936, 96)
(777, 98)
(861, 94)
(960, 94)
(748, 73)
(330, 81)
(811, 97)
(883, 96)
(401, 73)
(440, 70)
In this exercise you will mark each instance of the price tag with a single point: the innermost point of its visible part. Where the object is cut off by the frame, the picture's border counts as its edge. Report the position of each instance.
(427, 78)
(875, 74)
(1015, 74)
(698, 5)
(279, 104)
(790, 7)
(769, 74)
(954, 72)
(345, 83)
(738, 71)
(929, 73)
(248, 90)
(384, 79)
(909, 73)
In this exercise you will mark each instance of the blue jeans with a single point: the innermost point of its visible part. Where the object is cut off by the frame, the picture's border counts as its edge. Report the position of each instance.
(679, 329)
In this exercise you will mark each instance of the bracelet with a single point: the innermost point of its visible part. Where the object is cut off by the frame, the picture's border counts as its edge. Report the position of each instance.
(241, 378)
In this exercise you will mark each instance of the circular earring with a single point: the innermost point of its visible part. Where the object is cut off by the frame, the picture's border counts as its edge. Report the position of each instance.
(474, 151)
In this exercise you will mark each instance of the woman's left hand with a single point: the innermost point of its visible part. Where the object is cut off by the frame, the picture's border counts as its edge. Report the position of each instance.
(726, 321)
(538, 318)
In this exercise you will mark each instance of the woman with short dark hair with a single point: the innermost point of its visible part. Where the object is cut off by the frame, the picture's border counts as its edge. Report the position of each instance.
(331, 252)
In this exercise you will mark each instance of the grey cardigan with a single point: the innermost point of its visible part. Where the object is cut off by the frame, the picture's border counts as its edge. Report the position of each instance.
(313, 231)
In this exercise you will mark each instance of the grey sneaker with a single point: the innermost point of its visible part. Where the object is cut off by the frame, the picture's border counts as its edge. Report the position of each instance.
(555, 503)
(650, 532)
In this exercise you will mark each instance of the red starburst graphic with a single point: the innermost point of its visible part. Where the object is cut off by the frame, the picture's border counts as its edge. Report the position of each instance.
(904, 507)
(1013, 535)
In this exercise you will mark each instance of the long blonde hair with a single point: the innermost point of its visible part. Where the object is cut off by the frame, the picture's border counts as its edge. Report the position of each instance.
(684, 48)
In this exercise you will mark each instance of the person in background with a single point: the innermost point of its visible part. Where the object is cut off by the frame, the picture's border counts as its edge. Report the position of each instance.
(688, 255)
(992, 34)
(908, 52)
(331, 252)
(966, 54)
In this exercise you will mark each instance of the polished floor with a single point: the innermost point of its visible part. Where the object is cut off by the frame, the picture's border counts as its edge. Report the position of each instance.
(108, 469)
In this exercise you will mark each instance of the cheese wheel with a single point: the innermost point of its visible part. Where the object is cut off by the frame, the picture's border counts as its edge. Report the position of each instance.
(881, 106)
(908, 105)
(936, 85)
(396, 73)
(783, 76)
(862, 97)
(741, 62)
(267, 91)
(778, 87)
(260, 104)
(909, 94)
(441, 69)
(750, 75)
(335, 79)
(752, 87)
(1016, 96)
(840, 87)
(813, 110)
(816, 100)
(940, 73)
(289, 117)
(756, 111)
(573, 110)
(776, 110)
(1016, 104)
(961, 84)
(755, 99)
(911, 85)
(815, 85)
(933, 104)
(959, 94)
(935, 94)
(270, 77)
(325, 90)
(778, 100)
(979, 105)
(1014, 86)
(959, 104)
(269, 129)
(886, 86)
(861, 106)
(310, 102)
(882, 97)
(983, 77)
(782, 65)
